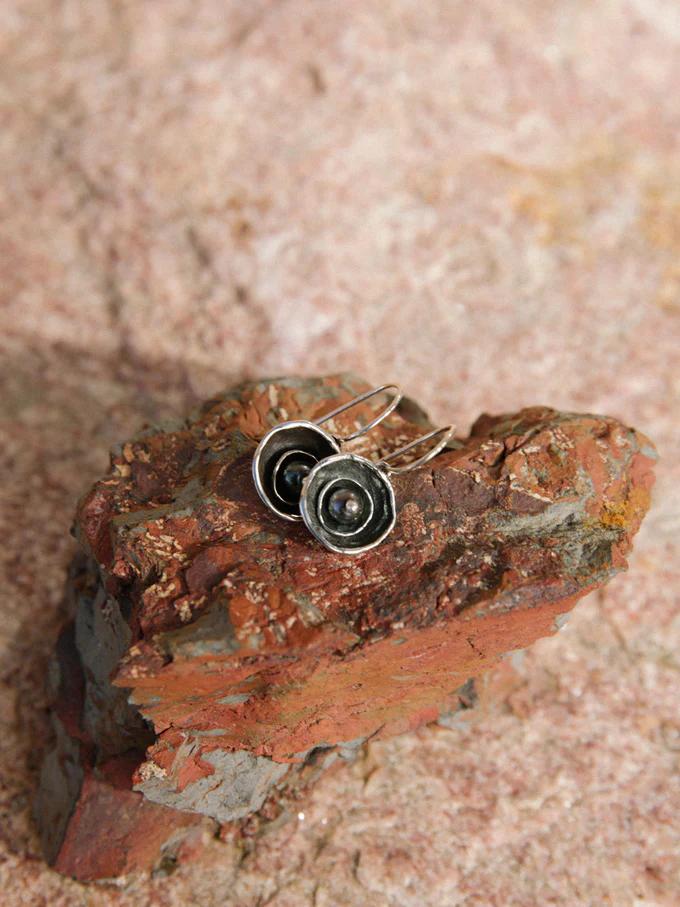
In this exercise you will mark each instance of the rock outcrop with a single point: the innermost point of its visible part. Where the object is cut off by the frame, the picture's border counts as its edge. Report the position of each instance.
(220, 656)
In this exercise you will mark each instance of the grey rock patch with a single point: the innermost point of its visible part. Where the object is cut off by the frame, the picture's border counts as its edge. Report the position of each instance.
(562, 620)
(458, 715)
(61, 777)
(211, 633)
(562, 515)
(238, 787)
(236, 699)
(102, 637)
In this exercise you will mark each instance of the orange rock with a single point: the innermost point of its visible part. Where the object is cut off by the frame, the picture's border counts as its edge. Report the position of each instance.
(246, 646)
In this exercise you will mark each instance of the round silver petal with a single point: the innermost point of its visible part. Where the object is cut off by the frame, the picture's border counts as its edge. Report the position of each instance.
(302, 436)
(376, 519)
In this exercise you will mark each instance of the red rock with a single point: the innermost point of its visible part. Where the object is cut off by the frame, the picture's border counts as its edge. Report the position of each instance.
(246, 646)
(116, 831)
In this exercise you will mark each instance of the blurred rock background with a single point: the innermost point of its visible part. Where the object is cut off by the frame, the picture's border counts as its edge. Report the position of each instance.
(478, 200)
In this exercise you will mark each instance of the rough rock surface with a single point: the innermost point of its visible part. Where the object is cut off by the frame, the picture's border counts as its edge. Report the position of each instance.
(247, 648)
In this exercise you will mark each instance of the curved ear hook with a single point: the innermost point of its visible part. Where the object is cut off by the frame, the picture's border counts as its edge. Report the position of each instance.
(446, 432)
(391, 406)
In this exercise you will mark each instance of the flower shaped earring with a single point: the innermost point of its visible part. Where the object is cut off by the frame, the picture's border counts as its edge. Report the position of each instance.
(348, 502)
(290, 451)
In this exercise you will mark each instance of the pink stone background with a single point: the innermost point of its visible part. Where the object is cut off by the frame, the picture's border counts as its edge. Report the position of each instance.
(480, 200)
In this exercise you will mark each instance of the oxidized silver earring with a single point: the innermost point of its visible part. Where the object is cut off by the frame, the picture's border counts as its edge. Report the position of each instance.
(347, 501)
(290, 451)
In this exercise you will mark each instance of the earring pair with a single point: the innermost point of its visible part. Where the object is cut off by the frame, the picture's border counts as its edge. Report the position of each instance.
(346, 501)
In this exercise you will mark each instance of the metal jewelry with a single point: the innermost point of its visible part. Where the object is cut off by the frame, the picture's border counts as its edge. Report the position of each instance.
(290, 451)
(347, 501)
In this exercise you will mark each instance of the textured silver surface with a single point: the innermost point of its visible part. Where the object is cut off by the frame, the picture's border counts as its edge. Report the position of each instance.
(352, 469)
(294, 435)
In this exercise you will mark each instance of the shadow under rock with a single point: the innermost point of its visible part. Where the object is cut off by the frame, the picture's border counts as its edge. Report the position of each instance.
(61, 410)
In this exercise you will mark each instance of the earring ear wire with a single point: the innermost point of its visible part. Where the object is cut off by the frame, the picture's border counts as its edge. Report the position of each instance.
(389, 409)
(446, 432)
(288, 452)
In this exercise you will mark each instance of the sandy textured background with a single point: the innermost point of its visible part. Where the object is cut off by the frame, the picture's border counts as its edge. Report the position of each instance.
(480, 200)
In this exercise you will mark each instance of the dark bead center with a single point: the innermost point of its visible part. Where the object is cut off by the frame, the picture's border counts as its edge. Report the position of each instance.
(291, 478)
(346, 506)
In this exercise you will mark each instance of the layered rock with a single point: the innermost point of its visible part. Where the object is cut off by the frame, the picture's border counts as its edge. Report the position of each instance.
(226, 655)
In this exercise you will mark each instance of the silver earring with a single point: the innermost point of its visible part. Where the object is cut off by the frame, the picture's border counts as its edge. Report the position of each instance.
(290, 451)
(347, 501)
